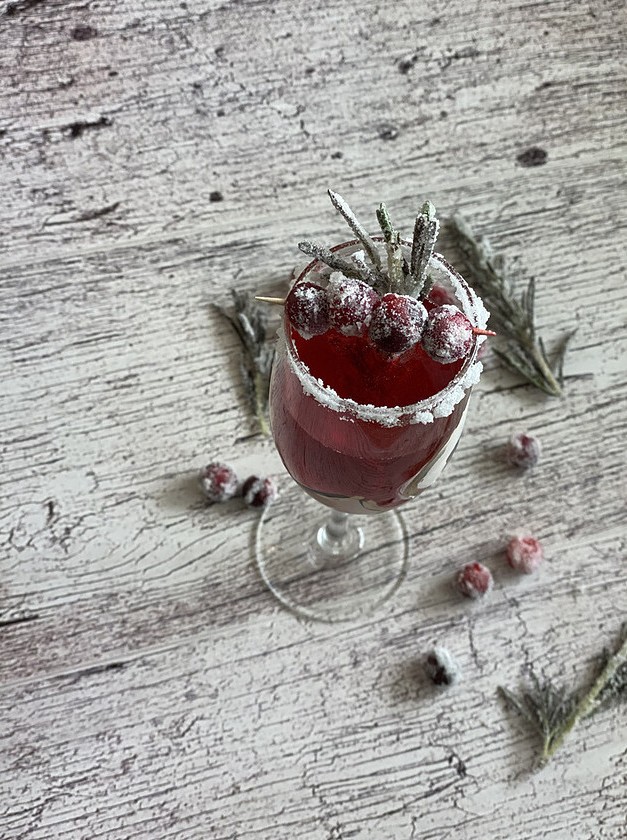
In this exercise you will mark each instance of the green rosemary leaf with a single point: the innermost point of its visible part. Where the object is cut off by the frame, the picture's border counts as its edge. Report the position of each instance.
(393, 247)
(615, 689)
(557, 365)
(385, 223)
(518, 364)
(327, 256)
(519, 704)
(513, 317)
(528, 304)
(358, 229)
(425, 234)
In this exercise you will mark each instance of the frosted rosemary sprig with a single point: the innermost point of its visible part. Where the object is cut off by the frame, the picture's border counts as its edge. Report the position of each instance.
(327, 256)
(513, 317)
(553, 712)
(250, 322)
(396, 275)
(358, 229)
(425, 234)
(393, 248)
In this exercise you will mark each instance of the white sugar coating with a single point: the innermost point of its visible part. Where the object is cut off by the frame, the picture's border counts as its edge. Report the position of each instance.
(423, 416)
(423, 412)
(448, 402)
(473, 374)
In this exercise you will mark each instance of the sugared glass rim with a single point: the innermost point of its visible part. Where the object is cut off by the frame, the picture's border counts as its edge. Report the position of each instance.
(440, 404)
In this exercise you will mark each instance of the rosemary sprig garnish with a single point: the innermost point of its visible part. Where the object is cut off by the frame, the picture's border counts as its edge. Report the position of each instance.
(513, 317)
(392, 240)
(553, 712)
(358, 229)
(250, 322)
(325, 255)
(397, 275)
(425, 233)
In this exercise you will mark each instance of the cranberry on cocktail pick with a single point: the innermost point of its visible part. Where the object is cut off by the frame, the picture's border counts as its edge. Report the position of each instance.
(218, 482)
(448, 335)
(307, 308)
(351, 302)
(397, 322)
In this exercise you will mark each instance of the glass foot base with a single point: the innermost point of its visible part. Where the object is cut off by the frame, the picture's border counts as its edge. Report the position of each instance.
(318, 581)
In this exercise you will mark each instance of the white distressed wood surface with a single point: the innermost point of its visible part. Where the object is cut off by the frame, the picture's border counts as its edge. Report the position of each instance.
(150, 687)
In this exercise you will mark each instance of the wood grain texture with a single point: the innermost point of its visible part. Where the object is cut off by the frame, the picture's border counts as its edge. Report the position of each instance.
(155, 154)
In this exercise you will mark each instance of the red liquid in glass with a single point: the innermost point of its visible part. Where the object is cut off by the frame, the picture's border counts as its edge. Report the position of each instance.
(339, 456)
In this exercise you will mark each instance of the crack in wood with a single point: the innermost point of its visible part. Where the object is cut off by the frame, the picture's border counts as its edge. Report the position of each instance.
(25, 619)
(93, 670)
(85, 216)
(77, 127)
(19, 6)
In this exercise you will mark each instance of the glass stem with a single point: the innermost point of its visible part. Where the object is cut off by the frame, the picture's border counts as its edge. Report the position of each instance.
(337, 540)
(337, 526)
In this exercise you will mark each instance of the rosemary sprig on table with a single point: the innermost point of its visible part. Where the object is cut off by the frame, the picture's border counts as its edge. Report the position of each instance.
(553, 711)
(251, 325)
(513, 317)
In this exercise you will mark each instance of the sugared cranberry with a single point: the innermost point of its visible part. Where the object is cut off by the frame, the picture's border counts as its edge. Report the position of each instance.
(474, 580)
(448, 335)
(523, 450)
(397, 322)
(351, 302)
(218, 482)
(441, 667)
(524, 554)
(307, 308)
(259, 492)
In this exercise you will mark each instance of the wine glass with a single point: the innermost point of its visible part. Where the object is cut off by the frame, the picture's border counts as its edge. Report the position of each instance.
(358, 460)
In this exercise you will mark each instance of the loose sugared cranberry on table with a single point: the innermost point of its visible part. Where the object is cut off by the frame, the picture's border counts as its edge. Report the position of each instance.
(448, 335)
(441, 667)
(307, 308)
(523, 450)
(351, 303)
(474, 580)
(259, 492)
(218, 482)
(397, 322)
(524, 554)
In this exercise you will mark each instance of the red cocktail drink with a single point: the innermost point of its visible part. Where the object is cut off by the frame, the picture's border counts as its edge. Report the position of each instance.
(363, 431)
(371, 379)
